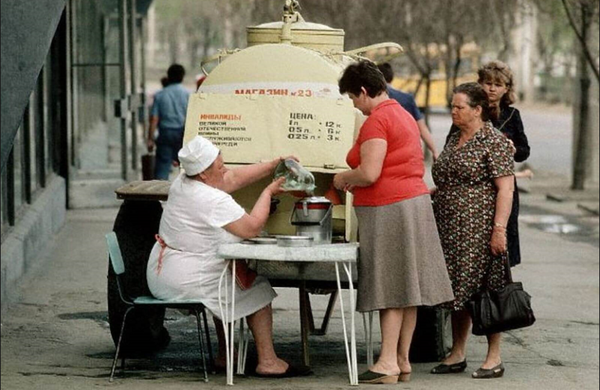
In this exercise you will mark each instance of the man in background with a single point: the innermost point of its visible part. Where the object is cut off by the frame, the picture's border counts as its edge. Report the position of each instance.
(168, 116)
(408, 103)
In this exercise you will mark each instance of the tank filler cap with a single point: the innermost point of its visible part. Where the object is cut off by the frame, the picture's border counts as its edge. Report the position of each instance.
(292, 29)
(291, 7)
(290, 15)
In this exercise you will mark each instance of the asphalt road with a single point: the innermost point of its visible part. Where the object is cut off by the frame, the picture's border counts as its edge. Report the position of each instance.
(57, 337)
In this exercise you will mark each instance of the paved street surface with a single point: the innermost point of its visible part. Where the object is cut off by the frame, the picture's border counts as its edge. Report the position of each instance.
(57, 336)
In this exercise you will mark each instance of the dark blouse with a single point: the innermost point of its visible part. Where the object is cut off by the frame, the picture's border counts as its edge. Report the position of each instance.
(511, 125)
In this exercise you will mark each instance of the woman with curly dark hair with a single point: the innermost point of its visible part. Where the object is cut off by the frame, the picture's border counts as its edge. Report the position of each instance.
(401, 262)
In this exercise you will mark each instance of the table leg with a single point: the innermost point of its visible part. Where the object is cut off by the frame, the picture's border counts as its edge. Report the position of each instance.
(232, 326)
(350, 346)
(354, 360)
(325, 323)
(304, 323)
(227, 318)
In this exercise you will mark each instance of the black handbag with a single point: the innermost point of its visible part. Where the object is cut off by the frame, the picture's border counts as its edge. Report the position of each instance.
(498, 311)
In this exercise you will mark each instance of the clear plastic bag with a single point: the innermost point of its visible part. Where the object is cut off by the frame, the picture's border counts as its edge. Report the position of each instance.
(297, 178)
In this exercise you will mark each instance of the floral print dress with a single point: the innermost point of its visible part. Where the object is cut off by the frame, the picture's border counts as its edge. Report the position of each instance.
(464, 206)
(510, 124)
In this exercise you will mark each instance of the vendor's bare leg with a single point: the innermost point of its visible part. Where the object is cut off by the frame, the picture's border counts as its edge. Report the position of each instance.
(391, 322)
(261, 325)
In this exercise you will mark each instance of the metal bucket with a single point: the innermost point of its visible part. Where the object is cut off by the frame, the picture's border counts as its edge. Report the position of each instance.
(313, 218)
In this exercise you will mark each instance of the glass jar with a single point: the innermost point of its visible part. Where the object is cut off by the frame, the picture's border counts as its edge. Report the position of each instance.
(297, 178)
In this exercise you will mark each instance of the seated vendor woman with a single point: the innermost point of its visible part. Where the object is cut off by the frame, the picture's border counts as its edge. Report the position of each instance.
(198, 217)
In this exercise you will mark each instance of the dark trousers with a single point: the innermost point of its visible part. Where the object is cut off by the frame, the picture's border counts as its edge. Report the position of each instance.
(168, 144)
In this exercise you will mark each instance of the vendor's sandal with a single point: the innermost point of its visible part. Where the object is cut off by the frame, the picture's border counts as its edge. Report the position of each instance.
(455, 368)
(376, 378)
(484, 373)
(292, 371)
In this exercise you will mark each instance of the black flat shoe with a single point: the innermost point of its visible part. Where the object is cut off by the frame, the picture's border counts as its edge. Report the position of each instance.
(376, 378)
(455, 368)
(484, 373)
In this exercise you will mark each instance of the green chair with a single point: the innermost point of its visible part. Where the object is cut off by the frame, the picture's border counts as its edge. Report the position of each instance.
(196, 307)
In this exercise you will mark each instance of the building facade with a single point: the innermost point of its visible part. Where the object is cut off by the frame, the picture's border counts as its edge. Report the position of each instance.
(73, 113)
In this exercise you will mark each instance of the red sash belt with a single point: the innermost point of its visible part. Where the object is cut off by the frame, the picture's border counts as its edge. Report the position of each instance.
(163, 245)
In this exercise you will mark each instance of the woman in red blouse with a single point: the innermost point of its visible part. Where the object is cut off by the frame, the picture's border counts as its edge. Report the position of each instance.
(401, 262)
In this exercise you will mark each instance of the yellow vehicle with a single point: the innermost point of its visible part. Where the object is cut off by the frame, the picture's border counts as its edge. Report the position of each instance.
(438, 88)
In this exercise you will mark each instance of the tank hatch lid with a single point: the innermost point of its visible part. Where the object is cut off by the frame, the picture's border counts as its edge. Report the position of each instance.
(294, 30)
(301, 25)
(304, 34)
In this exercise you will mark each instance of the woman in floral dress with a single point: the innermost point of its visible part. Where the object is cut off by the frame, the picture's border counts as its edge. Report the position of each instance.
(472, 204)
(498, 81)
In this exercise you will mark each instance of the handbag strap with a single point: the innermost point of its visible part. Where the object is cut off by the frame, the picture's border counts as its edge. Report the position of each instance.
(507, 271)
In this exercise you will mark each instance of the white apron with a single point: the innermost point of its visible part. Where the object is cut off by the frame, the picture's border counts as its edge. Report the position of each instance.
(192, 229)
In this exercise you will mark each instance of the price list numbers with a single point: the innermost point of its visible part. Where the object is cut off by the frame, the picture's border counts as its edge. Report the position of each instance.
(333, 131)
(306, 126)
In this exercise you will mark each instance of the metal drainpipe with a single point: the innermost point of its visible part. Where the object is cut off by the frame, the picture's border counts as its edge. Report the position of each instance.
(74, 71)
(143, 60)
(134, 101)
(123, 82)
(105, 85)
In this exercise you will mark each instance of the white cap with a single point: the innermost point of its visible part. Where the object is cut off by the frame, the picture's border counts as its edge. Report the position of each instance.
(197, 155)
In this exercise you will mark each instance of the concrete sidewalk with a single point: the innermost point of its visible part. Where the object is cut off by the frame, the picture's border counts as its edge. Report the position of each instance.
(57, 337)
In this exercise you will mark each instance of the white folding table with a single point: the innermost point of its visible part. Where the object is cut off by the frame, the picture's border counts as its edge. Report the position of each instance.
(340, 254)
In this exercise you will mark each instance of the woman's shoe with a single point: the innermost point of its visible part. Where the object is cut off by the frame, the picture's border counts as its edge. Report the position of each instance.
(404, 377)
(455, 368)
(484, 373)
(376, 378)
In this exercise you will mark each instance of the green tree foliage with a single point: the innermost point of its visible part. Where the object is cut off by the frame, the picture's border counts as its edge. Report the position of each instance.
(583, 17)
(560, 24)
(193, 29)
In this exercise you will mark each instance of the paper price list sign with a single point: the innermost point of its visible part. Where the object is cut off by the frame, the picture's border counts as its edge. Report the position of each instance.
(248, 129)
